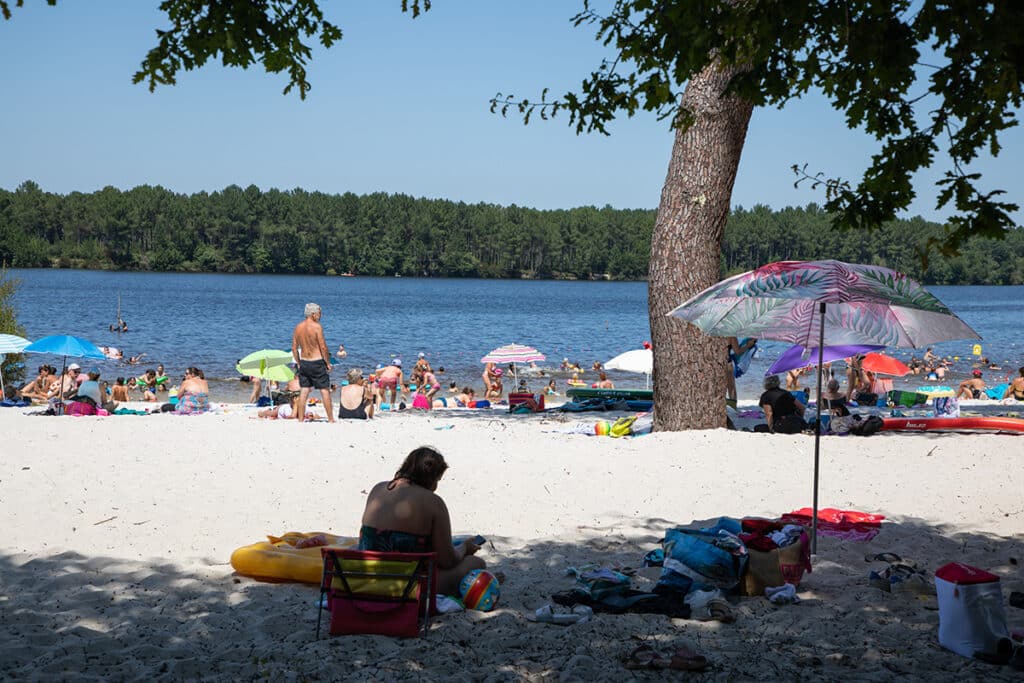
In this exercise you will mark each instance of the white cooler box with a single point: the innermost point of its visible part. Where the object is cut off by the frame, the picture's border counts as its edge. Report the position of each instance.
(972, 618)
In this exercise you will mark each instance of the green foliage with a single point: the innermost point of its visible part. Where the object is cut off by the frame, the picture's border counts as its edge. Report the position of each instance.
(5, 6)
(11, 365)
(936, 77)
(240, 33)
(250, 231)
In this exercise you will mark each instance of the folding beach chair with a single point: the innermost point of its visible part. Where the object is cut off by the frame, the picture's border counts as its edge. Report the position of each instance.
(525, 402)
(389, 594)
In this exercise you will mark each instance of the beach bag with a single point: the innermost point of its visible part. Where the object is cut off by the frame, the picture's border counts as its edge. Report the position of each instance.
(867, 427)
(972, 620)
(947, 406)
(841, 425)
(703, 559)
(420, 401)
(776, 567)
(81, 408)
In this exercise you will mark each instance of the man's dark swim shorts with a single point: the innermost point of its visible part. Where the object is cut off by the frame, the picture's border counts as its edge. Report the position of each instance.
(313, 374)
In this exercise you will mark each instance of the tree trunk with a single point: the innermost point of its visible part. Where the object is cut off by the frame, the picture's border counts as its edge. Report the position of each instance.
(686, 247)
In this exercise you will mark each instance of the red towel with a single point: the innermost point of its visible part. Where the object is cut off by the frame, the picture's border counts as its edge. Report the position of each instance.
(848, 524)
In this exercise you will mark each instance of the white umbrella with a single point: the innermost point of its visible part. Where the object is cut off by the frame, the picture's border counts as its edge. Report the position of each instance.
(637, 360)
(10, 343)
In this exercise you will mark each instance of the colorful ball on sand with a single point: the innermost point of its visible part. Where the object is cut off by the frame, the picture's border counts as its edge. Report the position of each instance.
(479, 590)
(603, 428)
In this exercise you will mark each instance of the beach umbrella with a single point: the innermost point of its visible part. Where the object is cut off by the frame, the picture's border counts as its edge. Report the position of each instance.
(798, 356)
(824, 303)
(636, 360)
(270, 364)
(513, 353)
(10, 343)
(881, 364)
(65, 345)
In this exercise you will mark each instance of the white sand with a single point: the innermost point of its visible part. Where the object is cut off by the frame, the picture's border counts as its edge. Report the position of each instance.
(118, 532)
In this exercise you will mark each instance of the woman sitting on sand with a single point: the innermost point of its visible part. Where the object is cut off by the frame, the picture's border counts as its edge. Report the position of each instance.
(37, 389)
(193, 393)
(406, 515)
(464, 398)
(782, 412)
(1016, 388)
(355, 400)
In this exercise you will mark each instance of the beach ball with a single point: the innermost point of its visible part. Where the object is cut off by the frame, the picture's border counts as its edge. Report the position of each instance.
(480, 590)
(603, 428)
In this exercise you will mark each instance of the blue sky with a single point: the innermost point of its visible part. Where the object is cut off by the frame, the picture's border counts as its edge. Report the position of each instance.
(399, 105)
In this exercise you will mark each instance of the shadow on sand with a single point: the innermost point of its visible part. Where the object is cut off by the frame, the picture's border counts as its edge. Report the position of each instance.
(73, 616)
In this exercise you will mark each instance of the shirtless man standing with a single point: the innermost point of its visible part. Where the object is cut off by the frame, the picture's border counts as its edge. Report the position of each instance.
(310, 353)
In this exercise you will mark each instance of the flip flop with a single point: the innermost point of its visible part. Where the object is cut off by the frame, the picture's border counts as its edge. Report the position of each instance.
(685, 659)
(883, 557)
(721, 610)
(645, 657)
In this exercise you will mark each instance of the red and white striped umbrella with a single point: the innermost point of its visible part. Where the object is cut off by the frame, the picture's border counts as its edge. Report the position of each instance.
(513, 353)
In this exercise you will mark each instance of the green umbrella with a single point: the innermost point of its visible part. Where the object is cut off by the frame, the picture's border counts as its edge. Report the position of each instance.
(267, 364)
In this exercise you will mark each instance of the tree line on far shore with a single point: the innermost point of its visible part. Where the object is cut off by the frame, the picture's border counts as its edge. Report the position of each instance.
(248, 230)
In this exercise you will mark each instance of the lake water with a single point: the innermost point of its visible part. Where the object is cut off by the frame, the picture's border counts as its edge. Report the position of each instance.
(211, 321)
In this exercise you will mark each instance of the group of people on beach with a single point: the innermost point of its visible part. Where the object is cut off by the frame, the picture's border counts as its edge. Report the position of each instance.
(362, 394)
(81, 392)
(784, 409)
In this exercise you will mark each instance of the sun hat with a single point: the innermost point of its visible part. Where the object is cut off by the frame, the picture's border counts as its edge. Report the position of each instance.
(397, 362)
(421, 355)
(74, 366)
(977, 373)
(94, 371)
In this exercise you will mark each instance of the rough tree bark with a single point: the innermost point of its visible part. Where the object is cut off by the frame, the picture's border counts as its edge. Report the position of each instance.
(686, 247)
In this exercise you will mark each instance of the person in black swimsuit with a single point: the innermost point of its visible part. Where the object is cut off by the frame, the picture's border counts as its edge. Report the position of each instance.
(406, 515)
(1016, 388)
(355, 401)
(782, 412)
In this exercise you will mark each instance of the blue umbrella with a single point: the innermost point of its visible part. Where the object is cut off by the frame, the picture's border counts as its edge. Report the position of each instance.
(65, 345)
(798, 356)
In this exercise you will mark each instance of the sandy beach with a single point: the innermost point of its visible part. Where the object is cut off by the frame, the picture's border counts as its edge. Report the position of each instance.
(119, 529)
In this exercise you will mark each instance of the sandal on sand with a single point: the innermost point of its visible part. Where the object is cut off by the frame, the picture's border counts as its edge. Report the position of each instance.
(645, 657)
(685, 659)
(886, 557)
(721, 610)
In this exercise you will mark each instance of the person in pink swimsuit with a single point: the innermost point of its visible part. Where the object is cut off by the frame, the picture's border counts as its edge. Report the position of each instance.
(388, 379)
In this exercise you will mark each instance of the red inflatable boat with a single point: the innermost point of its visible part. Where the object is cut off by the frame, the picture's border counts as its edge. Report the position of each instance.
(954, 424)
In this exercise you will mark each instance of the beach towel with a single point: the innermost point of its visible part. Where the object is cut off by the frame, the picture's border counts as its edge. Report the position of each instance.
(129, 411)
(741, 363)
(997, 391)
(850, 525)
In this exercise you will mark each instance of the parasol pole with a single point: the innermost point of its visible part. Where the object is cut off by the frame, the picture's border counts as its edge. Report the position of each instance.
(817, 428)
